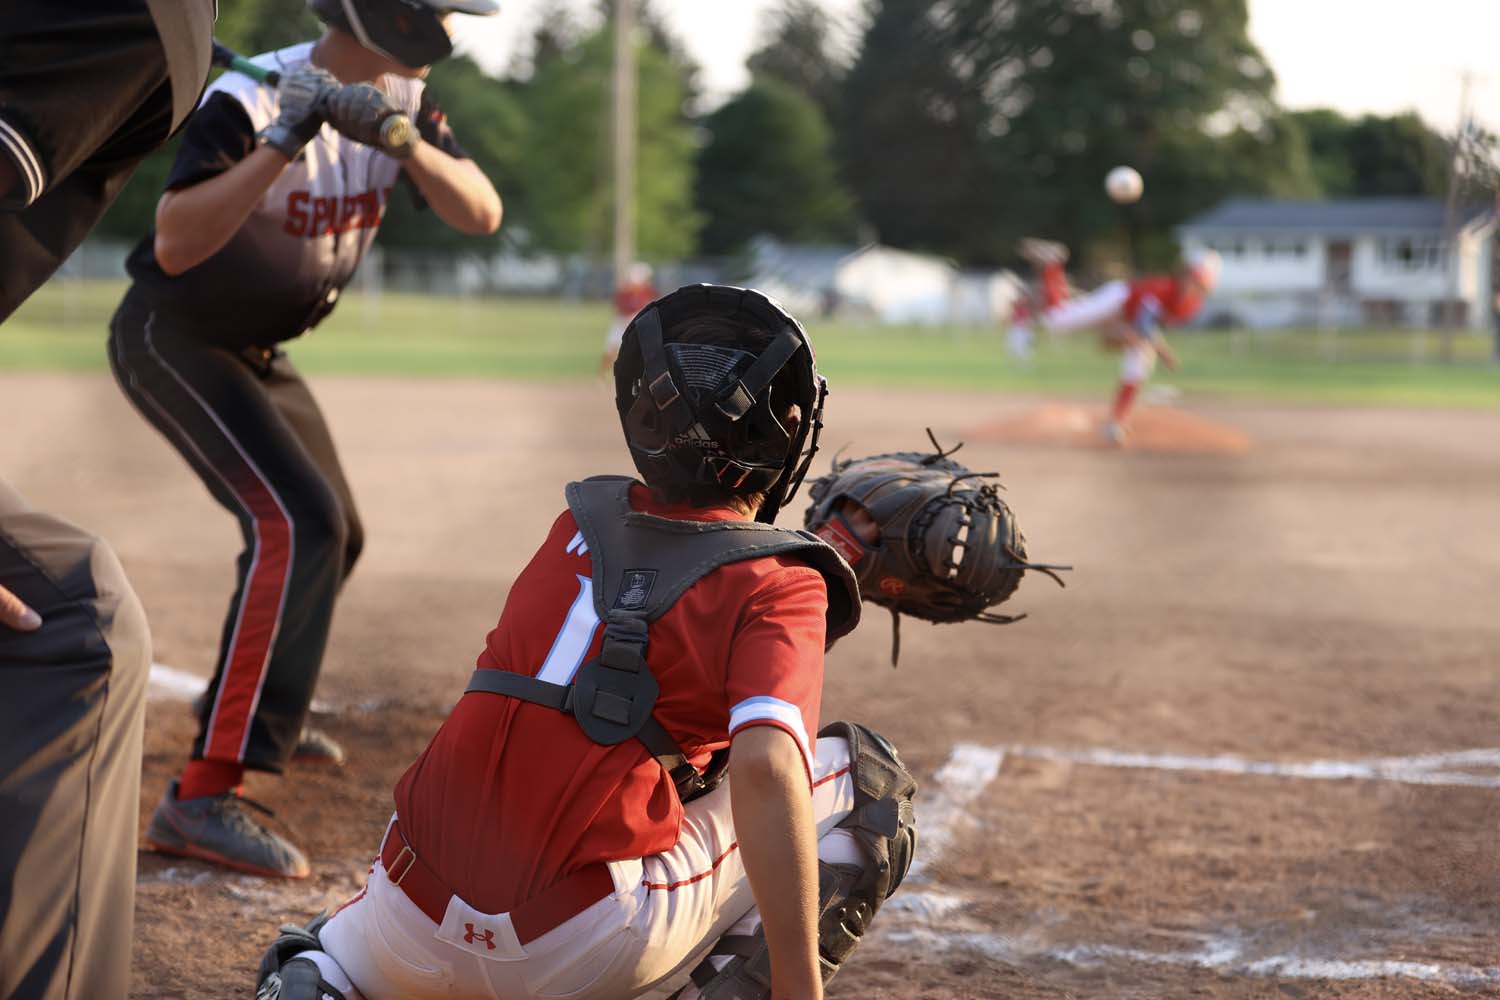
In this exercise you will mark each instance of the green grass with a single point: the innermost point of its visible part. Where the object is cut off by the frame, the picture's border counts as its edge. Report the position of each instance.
(63, 328)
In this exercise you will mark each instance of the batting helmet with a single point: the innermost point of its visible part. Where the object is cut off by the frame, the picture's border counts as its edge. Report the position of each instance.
(409, 31)
(702, 414)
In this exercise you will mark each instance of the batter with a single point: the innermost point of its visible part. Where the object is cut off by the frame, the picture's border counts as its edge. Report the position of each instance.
(269, 209)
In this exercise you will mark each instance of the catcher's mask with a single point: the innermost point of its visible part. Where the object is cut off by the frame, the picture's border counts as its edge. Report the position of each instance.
(702, 413)
(409, 31)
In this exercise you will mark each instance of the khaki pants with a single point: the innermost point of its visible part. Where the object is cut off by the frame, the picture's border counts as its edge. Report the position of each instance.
(72, 709)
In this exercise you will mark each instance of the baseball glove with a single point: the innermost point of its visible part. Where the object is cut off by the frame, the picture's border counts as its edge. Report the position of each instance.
(948, 547)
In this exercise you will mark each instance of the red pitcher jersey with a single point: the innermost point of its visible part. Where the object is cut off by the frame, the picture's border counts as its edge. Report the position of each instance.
(1169, 300)
(283, 270)
(509, 796)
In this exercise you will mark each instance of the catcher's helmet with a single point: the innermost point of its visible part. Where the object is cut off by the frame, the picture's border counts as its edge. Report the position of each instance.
(409, 31)
(696, 413)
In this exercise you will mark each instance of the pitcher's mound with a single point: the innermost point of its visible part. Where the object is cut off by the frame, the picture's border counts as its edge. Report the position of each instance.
(1154, 428)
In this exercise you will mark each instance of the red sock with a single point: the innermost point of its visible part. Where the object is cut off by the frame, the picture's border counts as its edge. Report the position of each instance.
(1054, 285)
(1124, 399)
(202, 778)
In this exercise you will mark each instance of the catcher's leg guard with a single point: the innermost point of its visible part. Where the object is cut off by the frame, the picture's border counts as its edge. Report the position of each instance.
(285, 975)
(883, 824)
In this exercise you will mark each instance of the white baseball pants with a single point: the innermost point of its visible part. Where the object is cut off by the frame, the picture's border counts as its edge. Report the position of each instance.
(1091, 309)
(667, 911)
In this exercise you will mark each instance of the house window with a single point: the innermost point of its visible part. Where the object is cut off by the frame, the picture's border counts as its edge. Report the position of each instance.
(1412, 254)
(1289, 249)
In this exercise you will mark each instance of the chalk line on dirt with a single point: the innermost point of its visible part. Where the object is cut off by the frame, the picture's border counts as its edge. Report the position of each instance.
(1425, 769)
(934, 919)
(171, 684)
(1217, 954)
(944, 803)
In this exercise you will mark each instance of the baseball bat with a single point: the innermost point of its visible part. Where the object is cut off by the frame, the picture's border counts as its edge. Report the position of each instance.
(395, 131)
(229, 59)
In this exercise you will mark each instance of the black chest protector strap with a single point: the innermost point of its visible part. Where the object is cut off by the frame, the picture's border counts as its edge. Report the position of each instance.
(641, 565)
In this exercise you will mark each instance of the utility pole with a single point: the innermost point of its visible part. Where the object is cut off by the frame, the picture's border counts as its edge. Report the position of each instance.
(624, 138)
(1450, 255)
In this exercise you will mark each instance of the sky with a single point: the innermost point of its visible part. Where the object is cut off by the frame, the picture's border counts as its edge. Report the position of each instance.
(1354, 55)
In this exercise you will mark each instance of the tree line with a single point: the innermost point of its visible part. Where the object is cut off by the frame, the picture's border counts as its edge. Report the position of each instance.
(953, 127)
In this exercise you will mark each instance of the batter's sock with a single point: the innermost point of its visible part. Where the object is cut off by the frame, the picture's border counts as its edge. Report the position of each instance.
(1124, 400)
(202, 778)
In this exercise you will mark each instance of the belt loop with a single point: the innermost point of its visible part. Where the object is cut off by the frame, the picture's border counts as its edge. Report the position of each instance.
(407, 853)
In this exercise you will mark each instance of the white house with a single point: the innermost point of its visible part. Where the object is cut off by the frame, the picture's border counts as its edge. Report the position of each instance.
(878, 282)
(1355, 262)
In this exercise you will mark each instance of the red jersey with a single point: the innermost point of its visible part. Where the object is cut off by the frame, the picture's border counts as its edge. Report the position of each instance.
(632, 298)
(510, 796)
(1170, 301)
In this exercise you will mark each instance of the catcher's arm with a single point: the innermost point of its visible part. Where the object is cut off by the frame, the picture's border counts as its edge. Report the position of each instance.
(777, 833)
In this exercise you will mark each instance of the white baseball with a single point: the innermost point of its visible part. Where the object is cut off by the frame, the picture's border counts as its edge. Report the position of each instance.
(1124, 185)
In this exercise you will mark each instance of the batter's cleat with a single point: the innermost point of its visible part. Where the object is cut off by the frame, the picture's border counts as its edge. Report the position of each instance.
(1040, 252)
(220, 830)
(318, 748)
(1114, 433)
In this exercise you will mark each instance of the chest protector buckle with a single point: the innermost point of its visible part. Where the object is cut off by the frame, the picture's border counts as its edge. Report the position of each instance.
(614, 693)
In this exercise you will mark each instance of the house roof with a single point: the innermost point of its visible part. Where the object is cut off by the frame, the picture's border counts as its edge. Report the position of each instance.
(800, 266)
(1339, 215)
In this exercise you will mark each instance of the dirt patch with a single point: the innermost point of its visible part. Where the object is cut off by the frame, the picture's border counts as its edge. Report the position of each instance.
(1151, 428)
(1281, 602)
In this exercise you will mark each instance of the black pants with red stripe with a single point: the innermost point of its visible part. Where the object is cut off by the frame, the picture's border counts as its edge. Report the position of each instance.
(250, 429)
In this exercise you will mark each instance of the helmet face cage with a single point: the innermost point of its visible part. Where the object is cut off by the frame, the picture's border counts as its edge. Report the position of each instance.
(704, 414)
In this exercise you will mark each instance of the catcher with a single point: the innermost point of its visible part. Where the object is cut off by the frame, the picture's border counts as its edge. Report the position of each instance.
(634, 791)
(926, 536)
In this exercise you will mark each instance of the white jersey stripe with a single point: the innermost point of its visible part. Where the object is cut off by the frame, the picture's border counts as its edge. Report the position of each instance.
(767, 708)
(573, 639)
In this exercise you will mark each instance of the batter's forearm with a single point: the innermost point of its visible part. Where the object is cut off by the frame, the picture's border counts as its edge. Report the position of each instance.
(457, 190)
(194, 223)
(777, 834)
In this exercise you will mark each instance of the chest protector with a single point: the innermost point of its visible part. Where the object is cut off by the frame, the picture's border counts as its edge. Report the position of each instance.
(641, 565)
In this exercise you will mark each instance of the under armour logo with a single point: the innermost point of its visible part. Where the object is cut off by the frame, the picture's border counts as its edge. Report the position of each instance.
(487, 936)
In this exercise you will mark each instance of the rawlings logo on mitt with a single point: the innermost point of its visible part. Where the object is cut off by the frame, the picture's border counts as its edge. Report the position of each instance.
(926, 536)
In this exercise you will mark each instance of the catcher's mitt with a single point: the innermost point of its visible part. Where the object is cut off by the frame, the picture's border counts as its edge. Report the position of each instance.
(948, 548)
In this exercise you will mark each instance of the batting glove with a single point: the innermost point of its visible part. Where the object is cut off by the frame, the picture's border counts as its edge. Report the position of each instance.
(368, 116)
(300, 96)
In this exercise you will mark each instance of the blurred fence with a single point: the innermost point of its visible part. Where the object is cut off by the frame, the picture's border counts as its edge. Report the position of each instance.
(456, 273)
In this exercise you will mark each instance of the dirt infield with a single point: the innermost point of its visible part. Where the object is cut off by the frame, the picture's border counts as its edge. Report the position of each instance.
(1151, 428)
(1204, 769)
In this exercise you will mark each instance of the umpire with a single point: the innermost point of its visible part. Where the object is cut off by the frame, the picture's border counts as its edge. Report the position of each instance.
(87, 89)
(274, 198)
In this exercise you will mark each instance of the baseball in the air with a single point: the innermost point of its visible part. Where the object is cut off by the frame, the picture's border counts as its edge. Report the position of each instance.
(1124, 185)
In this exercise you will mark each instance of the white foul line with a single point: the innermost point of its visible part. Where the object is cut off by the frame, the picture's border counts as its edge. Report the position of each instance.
(944, 803)
(1426, 769)
(171, 684)
(934, 920)
(1220, 954)
(178, 685)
